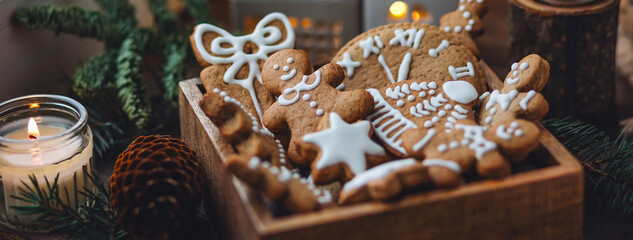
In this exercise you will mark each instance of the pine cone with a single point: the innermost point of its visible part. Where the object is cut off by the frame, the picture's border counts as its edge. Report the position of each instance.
(156, 187)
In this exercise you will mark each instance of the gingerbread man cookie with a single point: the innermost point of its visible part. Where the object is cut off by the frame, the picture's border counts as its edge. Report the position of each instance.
(402, 51)
(489, 150)
(419, 104)
(343, 149)
(233, 62)
(384, 181)
(519, 97)
(278, 184)
(241, 128)
(306, 96)
(465, 22)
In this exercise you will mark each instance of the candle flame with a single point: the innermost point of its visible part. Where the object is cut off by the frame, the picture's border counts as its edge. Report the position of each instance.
(34, 131)
(34, 105)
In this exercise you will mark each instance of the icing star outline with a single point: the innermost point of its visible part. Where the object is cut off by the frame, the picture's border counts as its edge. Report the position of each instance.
(344, 143)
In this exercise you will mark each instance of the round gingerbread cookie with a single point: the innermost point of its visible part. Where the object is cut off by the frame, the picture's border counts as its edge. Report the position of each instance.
(397, 52)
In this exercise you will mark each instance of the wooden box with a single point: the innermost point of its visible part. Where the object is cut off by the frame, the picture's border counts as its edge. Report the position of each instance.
(542, 203)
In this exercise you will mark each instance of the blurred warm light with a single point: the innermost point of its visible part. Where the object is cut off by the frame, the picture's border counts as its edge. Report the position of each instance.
(398, 9)
(34, 105)
(306, 23)
(415, 16)
(294, 22)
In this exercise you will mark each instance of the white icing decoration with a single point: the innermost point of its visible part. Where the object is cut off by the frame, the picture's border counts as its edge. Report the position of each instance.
(428, 124)
(431, 92)
(319, 112)
(454, 144)
(484, 96)
(341, 87)
(514, 125)
(458, 29)
(276, 66)
(400, 103)
(434, 52)
(460, 91)
(501, 132)
(504, 100)
(524, 65)
(394, 93)
(479, 143)
(302, 86)
(290, 60)
(514, 66)
(438, 100)
(382, 62)
(254, 163)
(493, 111)
(313, 104)
(425, 140)
(344, 143)
(460, 109)
(255, 123)
(518, 133)
(408, 38)
(348, 64)
(286, 68)
(488, 120)
(377, 172)
(442, 148)
(422, 94)
(441, 113)
(527, 99)
(368, 46)
(435, 119)
(306, 97)
(398, 121)
(458, 116)
(410, 98)
(289, 75)
(456, 73)
(403, 71)
(466, 14)
(450, 165)
(428, 106)
(418, 110)
(448, 107)
(432, 85)
(265, 37)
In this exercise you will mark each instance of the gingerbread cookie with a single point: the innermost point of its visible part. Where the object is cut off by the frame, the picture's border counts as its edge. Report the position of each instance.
(343, 149)
(384, 181)
(233, 63)
(402, 51)
(519, 97)
(278, 184)
(419, 104)
(241, 128)
(306, 96)
(465, 22)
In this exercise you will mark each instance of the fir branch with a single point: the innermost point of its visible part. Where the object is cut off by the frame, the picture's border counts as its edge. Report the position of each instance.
(200, 11)
(165, 20)
(95, 77)
(174, 70)
(93, 220)
(119, 9)
(129, 81)
(608, 163)
(74, 20)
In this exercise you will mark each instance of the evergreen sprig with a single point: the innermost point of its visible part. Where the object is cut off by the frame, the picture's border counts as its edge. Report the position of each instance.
(607, 163)
(92, 79)
(200, 11)
(55, 210)
(73, 20)
(129, 81)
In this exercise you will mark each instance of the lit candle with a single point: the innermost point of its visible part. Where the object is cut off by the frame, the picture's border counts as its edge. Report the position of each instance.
(42, 135)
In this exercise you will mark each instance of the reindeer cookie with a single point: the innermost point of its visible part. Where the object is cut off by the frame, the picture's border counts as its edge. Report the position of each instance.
(233, 62)
(306, 96)
(419, 104)
(344, 149)
(519, 97)
(396, 52)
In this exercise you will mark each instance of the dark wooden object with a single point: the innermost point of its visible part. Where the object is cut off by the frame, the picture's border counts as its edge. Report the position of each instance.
(579, 43)
(543, 203)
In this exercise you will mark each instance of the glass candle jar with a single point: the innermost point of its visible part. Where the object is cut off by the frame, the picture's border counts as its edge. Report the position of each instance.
(42, 136)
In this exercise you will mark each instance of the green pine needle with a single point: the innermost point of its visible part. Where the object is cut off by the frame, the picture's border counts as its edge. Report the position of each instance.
(74, 20)
(94, 220)
(94, 78)
(608, 163)
(129, 81)
(174, 70)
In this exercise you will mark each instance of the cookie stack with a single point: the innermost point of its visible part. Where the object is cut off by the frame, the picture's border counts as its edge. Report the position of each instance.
(401, 108)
